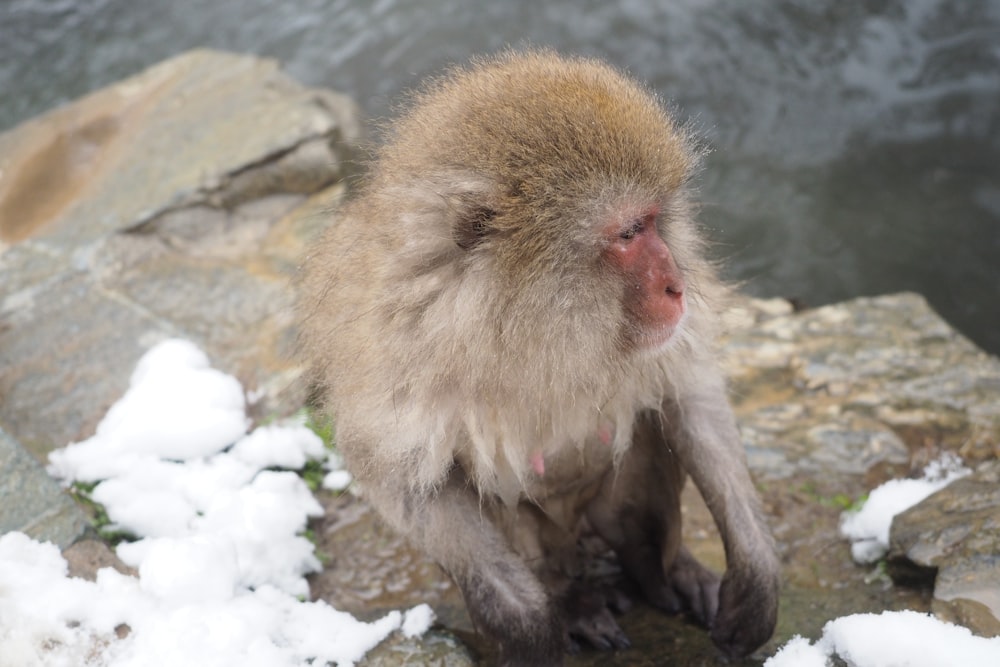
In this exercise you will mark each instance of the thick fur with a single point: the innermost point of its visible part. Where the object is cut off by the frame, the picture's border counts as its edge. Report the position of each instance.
(463, 325)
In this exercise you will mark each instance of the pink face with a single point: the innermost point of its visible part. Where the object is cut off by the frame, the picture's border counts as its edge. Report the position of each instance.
(654, 288)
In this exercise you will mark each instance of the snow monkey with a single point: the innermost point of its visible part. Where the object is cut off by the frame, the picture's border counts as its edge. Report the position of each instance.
(512, 325)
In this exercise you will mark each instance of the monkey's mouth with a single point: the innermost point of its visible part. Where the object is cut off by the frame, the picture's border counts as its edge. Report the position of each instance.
(655, 340)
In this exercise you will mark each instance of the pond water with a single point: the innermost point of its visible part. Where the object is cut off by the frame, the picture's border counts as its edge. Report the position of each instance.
(855, 145)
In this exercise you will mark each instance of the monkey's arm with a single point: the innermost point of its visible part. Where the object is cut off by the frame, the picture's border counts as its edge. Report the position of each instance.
(505, 600)
(701, 428)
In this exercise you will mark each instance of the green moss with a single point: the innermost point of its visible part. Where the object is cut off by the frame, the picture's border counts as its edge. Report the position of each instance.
(312, 474)
(321, 425)
(839, 501)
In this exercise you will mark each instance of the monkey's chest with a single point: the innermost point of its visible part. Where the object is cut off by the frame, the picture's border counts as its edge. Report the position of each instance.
(572, 469)
(544, 526)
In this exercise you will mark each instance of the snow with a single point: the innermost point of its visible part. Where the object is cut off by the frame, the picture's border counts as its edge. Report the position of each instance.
(336, 480)
(176, 407)
(891, 639)
(417, 621)
(868, 528)
(221, 559)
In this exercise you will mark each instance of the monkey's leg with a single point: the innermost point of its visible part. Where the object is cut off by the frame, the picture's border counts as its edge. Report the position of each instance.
(546, 538)
(700, 428)
(505, 600)
(639, 514)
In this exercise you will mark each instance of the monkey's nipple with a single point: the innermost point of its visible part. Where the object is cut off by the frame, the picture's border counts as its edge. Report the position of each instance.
(538, 462)
(605, 433)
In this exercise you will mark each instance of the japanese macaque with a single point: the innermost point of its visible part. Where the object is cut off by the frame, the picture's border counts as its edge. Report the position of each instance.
(512, 324)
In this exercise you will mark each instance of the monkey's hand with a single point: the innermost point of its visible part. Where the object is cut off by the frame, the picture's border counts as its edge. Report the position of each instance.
(504, 598)
(694, 588)
(587, 610)
(748, 608)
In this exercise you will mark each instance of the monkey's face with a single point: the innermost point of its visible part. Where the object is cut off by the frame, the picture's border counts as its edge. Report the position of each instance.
(653, 288)
(555, 204)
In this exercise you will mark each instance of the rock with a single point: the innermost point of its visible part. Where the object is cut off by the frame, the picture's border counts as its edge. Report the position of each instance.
(85, 557)
(164, 205)
(435, 648)
(31, 502)
(849, 387)
(952, 540)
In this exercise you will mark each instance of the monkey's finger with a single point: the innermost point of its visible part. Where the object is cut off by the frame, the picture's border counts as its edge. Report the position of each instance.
(697, 585)
(609, 642)
(601, 631)
(617, 601)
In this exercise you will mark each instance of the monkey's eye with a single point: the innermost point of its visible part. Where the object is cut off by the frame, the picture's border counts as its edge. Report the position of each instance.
(634, 230)
(473, 227)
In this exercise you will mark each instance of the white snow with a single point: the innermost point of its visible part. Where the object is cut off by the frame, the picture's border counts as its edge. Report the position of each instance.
(417, 620)
(336, 480)
(868, 528)
(891, 639)
(221, 560)
(176, 407)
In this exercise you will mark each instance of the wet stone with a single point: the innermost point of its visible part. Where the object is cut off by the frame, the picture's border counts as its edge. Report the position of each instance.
(436, 648)
(31, 502)
(177, 203)
(85, 557)
(951, 541)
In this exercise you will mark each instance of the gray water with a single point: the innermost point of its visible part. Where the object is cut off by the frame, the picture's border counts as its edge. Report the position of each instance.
(855, 145)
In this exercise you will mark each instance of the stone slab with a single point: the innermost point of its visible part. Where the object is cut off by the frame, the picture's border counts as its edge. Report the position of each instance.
(32, 502)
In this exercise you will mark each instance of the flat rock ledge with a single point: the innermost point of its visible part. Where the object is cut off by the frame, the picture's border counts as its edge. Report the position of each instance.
(836, 400)
(179, 202)
(174, 203)
(951, 542)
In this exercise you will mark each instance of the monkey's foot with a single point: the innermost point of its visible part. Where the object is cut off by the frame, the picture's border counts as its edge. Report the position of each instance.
(588, 613)
(690, 587)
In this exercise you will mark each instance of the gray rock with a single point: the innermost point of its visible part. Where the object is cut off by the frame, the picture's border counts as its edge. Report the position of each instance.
(165, 205)
(85, 557)
(951, 540)
(435, 648)
(31, 502)
(870, 382)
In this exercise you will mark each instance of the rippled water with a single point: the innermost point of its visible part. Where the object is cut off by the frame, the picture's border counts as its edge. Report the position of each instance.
(856, 145)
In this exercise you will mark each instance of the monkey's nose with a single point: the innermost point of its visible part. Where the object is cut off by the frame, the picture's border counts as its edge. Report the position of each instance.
(675, 289)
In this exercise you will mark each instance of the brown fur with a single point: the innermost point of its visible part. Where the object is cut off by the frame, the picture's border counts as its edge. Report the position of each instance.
(460, 321)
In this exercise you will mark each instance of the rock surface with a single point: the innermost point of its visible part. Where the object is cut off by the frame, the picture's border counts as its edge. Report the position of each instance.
(32, 502)
(836, 400)
(951, 541)
(178, 203)
(161, 206)
(865, 384)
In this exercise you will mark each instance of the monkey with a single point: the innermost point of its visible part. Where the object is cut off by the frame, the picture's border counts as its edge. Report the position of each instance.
(512, 324)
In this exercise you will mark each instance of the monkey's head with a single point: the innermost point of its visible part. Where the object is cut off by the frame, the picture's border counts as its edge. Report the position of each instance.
(562, 181)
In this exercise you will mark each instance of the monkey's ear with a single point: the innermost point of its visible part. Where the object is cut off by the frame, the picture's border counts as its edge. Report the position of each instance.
(473, 225)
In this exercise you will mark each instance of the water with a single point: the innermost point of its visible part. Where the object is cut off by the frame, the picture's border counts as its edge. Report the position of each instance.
(855, 145)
